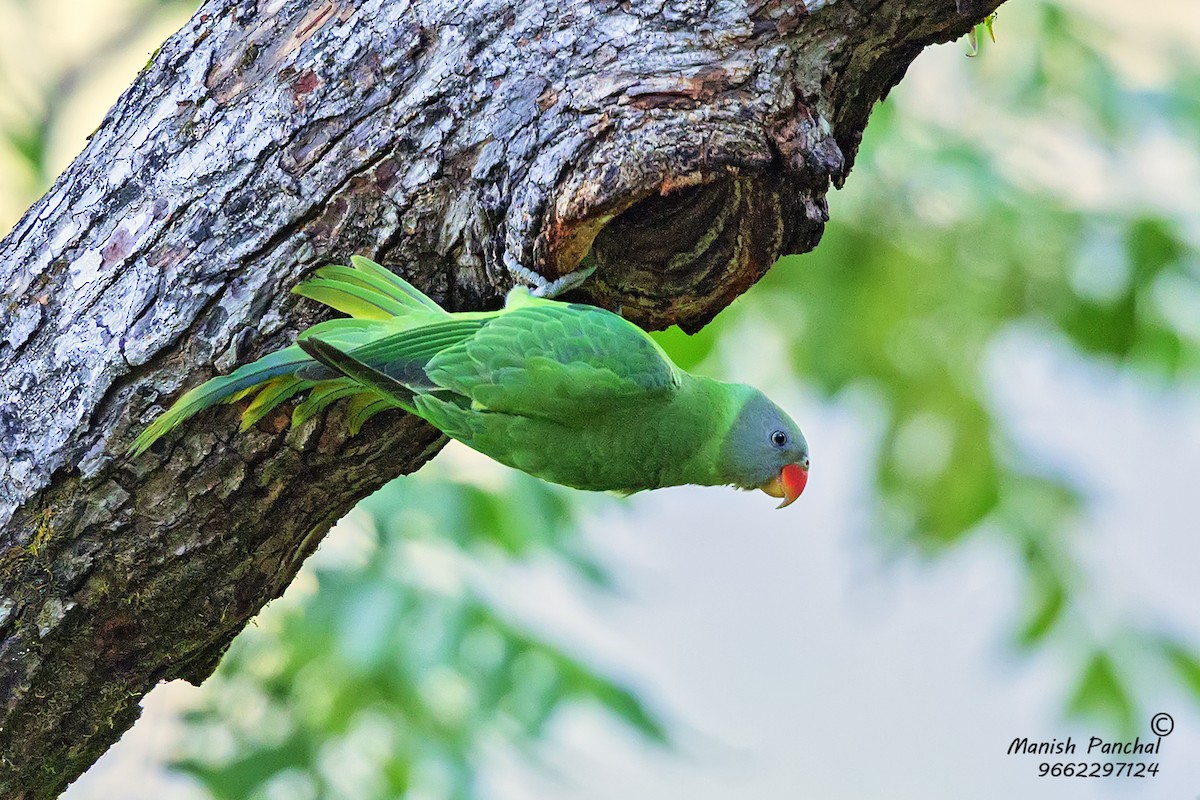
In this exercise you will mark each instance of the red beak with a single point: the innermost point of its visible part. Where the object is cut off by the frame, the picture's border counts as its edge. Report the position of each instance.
(788, 484)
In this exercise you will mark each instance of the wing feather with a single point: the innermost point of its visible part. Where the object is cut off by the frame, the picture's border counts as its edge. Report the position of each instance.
(367, 376)
(557, 361)
(402, 355)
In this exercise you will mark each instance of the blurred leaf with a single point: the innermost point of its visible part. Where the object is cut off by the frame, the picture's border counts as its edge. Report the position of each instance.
(1185, 662)
(31, 143)
(238, 779)
(626, 706)
(1153, 246)
(1047, 597)
(688, 351)
(1101, 694)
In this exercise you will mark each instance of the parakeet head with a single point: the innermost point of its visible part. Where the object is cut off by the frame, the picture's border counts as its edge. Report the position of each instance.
(766, 450)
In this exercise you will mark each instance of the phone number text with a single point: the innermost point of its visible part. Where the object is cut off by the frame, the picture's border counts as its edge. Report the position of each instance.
(1083, 769)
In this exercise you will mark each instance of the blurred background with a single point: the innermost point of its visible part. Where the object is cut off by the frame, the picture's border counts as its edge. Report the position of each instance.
(994, 354)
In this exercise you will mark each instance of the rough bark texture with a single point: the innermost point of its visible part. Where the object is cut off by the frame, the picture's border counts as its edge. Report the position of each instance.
(686, 143)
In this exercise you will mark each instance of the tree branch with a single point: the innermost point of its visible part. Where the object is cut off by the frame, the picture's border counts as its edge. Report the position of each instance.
(685, 144)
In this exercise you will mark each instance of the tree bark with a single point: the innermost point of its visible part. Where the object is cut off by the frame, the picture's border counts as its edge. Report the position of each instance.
(685, 143)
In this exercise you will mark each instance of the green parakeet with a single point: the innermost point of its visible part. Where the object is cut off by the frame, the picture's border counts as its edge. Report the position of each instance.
(570, 393)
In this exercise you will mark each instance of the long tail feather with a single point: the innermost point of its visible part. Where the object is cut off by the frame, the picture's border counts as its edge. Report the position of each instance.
(392, 286)
(323, 395)
(367, 291)
(401, 355)
(380, 303)
(364, 406)
(210, 393)
(272, 394)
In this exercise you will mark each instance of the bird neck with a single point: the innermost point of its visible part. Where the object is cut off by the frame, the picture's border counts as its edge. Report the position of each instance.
(711, 408)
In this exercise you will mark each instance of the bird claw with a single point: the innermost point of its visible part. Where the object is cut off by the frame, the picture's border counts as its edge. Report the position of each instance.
(539, 286)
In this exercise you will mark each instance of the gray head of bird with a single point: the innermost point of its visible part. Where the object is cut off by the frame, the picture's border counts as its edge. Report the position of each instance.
(766, 450)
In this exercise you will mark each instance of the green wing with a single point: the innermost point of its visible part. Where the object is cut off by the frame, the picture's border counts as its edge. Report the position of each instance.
(401, 355)
(557, 361)
(362, 374)
(536, 359)
(392, 366)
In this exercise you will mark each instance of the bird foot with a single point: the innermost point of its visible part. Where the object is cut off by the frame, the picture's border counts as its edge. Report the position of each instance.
(539, 286)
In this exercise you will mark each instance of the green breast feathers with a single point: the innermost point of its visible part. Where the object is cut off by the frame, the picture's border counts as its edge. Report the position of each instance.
(570, 393)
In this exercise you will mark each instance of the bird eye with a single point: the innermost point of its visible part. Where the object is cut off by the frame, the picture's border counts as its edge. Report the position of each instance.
(779, 438)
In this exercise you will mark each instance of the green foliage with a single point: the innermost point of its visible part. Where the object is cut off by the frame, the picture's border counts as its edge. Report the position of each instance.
(1102, 694)
(392, 676)
(1185, 662)
(31, 144)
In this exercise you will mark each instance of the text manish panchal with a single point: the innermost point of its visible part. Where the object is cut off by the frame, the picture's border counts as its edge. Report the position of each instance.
(1095, 746)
